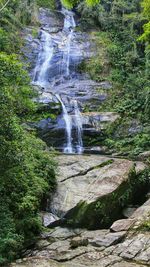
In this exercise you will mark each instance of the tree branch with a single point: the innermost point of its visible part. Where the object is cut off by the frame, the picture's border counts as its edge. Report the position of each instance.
(4, 5)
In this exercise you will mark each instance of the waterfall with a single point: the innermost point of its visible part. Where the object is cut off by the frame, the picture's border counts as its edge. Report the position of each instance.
(78, 125)
(57, 49)
(70, 122)
(44, 59)
(69, 21)
(68, 148)
(69, 26)
(68, 52)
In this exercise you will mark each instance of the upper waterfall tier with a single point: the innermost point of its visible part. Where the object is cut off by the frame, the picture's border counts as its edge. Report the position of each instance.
(60, 52)
(69, 21)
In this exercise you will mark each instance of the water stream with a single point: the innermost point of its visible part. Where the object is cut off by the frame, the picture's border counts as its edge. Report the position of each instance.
(69, 26)
(78, 125)
(68, 148)
(44, 60)
(58, 50)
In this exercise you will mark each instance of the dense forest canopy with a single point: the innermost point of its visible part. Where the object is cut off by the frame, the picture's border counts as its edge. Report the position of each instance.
(27, 169)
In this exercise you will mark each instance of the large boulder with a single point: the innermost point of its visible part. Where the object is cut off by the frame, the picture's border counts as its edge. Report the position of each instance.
(92, 190)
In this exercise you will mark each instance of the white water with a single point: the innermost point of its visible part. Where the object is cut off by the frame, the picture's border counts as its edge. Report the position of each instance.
(68, 148)
(68, 53)
(69, 26)
(78, 123)
(44, 59)
(41, 77)
(69, 21)
(70, 121)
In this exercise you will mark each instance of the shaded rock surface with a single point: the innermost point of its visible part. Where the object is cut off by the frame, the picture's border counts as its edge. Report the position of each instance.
(94, 124)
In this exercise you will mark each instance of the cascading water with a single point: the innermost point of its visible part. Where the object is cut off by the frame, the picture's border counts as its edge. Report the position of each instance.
(69, 21)
(68, 53)
(44, 59)
(72, 121)
(45, 74)
(69, 26)
(78, 124)
(68, 148)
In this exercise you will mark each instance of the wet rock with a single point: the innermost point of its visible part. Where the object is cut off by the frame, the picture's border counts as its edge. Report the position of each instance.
(96, 150)
(99, 120)
(50, 18)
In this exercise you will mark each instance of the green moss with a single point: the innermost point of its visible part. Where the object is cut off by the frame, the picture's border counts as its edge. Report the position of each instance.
(105, 163)
(145, 226)
(108, 208)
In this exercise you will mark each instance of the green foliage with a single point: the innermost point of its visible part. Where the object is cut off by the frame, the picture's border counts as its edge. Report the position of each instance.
(47, 3)
(27, 170)
(145, 226)
(27, 174)
(97, 67)
(71, 3)
(15, 82)
(126, 61)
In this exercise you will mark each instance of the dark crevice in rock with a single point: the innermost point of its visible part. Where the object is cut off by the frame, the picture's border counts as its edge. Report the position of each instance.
(103, 164)
(71, 258)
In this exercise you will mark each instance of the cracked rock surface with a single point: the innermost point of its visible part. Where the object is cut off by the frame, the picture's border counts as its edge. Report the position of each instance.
(87, 182)
(125, 244)
(103, 249)
(85, 178)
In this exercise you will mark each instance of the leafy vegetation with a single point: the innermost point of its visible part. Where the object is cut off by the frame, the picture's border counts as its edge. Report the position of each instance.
(47, 3)
(71, 3)
(123, 57)
(27, 173)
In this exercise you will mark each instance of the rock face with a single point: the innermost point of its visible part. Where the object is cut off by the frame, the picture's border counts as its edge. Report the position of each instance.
(94, 125)
(93, 189)
(62, 247)
(66, 53)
